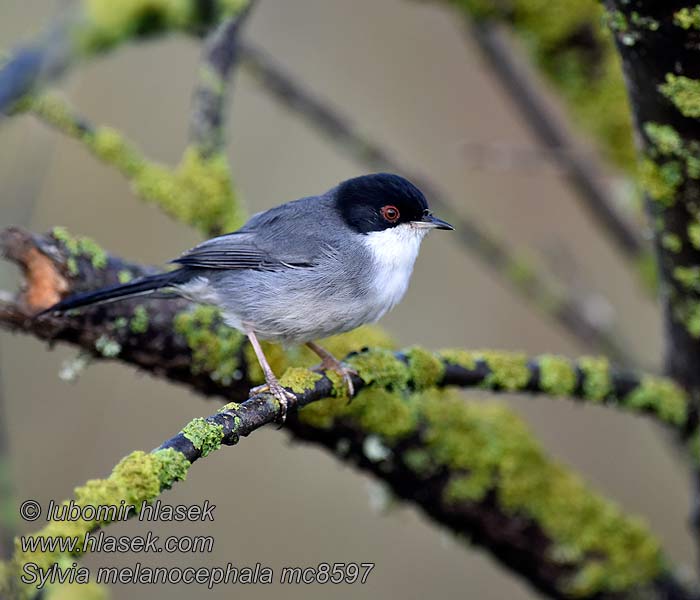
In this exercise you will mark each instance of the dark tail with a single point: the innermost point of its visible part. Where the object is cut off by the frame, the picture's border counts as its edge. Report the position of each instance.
(143, 285)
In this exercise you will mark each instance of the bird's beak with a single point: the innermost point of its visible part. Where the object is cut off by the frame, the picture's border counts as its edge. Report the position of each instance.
(431, 222)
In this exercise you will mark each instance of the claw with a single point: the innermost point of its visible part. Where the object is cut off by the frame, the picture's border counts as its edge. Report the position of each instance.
(284, 396)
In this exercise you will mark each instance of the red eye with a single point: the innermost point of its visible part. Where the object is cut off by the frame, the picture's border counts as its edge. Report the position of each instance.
(390, 213)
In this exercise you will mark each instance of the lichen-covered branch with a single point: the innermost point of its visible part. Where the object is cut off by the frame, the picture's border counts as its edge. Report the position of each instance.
(470, 466)
(198, 192)
(539, 289)
(97, 26)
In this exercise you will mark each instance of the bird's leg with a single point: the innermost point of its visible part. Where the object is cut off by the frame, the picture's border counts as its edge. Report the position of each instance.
(272, 384)
(328, 361)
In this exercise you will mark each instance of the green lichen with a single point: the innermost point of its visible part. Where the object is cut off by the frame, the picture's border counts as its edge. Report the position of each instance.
(597, 384)
(198, 192)
(173, 466)
(672, 242)
(216, 348)
(684, 92)
(300, 380)
(107, 347)
(426, 369)
(382, 368)
(694, 234)
(557, 375)
(107, 24)
(77, 247)
(665, 138)
(461, 358)
(687, 277)
(661, 181)
(687, 312)
(508, 370)
(495, 452)
(125, 276)
(139, 320)
(688, 17)
(136, 479)
(662, 396)
(204, 435)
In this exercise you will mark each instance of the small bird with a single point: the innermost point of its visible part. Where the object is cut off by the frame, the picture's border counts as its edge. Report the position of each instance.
(305, 270)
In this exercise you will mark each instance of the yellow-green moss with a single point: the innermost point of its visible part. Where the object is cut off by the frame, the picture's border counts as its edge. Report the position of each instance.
(107, 23)
(687, 312)
(508, 369)
(204, 435)
(662, 396)
(215, 347)
(688, 277)
(661, 181)
(557, 375)
(665, 138)
(684, 92)
(426, 369)
(461, 358)
(125, 276)
(381, 367)
(688, 17)
(139, 320)
(173, 466)
(597, 384)
(694, 234)
(672, 242)
(496, 452)
(80, 247)
(299, 379)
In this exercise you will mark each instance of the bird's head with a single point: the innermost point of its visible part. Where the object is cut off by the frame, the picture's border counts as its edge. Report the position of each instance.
(383, 202)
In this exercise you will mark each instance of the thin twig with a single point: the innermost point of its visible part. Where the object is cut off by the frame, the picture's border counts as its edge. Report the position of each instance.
(219, 59)
(582, 173)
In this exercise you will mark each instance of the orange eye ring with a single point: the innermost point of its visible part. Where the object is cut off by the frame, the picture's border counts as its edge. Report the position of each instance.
(390, 213)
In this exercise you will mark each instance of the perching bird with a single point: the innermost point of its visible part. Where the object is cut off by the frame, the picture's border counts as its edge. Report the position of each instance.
(304, 270)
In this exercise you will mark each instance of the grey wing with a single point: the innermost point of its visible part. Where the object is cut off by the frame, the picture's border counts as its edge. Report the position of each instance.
(274, 239)
(239, 251)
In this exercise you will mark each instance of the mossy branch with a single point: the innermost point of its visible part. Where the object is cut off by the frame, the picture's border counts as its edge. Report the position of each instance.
(98, 26)
(198, 192)
(472, 467)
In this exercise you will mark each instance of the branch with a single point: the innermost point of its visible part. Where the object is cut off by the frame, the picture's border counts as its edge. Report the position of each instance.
(581, 173)
(99, 26)
(540, 291)
(218, 63)
(658, 45)
(198, 192)
(470, 466)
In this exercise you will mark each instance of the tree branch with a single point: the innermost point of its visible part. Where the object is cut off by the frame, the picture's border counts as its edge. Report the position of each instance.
(541, 291)
(472, 467)
(581, 173)
(97, 27)
(219, 59)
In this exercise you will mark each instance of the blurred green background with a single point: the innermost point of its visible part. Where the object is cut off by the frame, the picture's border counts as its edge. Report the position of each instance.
(406, 73)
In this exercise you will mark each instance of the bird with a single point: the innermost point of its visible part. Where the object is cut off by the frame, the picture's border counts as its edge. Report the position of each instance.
(302, 271)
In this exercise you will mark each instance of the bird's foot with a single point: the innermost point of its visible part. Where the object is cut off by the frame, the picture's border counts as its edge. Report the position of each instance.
(333, 364)
(283, 395)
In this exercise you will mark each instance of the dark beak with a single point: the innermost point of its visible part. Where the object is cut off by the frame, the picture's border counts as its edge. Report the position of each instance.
(431, 222)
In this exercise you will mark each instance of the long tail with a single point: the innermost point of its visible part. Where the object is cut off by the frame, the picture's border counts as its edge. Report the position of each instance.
(143, 285)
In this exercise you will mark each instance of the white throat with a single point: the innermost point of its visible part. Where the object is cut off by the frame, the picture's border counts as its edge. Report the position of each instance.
(394, 252)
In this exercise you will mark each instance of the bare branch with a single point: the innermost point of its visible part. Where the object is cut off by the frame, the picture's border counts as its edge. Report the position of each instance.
(581, 173)
(219, 59)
